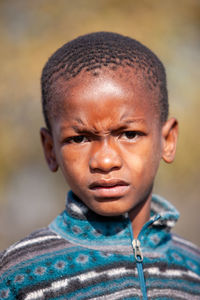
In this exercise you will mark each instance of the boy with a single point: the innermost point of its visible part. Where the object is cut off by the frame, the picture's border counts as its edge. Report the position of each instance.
(105, 106)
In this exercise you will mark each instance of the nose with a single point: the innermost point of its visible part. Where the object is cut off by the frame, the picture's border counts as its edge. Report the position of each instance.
(104, 157)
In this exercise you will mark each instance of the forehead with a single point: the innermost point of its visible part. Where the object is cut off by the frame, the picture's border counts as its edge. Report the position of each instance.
(125, 84)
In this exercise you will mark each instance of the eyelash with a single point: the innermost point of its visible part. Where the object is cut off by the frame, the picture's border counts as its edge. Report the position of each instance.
(131, 134)
(77, 139)
(80, 139)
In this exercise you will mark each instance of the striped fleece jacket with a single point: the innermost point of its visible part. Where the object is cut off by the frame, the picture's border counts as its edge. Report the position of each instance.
(82, 255)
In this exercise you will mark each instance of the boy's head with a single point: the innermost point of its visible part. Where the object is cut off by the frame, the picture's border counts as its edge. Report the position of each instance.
(98, 51)
(105, 105)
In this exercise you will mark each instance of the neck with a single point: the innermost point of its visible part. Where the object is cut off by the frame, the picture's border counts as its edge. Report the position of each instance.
(140, 215)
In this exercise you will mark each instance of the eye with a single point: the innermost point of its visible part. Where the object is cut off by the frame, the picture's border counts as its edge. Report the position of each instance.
(77, 139)
(130, 135)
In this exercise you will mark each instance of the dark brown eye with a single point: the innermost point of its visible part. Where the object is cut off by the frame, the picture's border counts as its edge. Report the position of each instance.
(131, 134)
(79, 139)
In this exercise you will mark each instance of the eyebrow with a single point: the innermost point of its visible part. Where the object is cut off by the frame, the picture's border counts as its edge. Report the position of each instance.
(81, 127)
(120, 126)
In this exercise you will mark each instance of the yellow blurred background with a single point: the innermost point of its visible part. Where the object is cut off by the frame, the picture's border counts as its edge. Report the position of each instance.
(30, 31)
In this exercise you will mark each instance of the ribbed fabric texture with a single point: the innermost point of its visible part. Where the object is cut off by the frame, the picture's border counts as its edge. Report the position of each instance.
(82, 255)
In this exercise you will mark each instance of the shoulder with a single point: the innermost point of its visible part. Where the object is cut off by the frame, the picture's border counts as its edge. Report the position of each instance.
(37, 243)
(185, 245)
(186, 252)
(40, 255)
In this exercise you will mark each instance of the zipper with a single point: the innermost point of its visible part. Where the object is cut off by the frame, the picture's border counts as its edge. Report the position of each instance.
(139, 256)
(137, 250)
(139, 259)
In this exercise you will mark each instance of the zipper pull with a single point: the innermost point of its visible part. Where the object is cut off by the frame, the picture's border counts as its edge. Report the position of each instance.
(137, 250)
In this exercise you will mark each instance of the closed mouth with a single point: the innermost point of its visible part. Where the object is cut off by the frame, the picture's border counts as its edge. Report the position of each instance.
(107, 183)
(107, 189)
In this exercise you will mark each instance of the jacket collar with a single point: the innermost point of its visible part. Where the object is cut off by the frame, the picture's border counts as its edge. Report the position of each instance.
(163, 213)
(83, 227)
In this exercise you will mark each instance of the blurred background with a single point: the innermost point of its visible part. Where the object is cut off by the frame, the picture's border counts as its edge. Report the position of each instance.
(30, 31)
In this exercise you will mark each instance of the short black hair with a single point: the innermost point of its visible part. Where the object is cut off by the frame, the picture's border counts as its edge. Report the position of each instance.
(98, 50)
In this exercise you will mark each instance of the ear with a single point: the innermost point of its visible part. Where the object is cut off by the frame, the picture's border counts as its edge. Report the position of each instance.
(48, 148)
(169, 135)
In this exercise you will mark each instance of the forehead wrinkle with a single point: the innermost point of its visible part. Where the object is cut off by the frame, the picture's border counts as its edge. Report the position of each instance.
(94, 128)
(76, 124)
(79, 121)
(139, 120)
(127, 119)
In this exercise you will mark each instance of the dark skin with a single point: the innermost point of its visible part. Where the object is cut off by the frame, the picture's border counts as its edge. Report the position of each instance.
(108, 141)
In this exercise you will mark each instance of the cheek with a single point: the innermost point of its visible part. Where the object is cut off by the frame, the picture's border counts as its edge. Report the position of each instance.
(72, 165)
(144, 160)
(136, 163)
(69, 158)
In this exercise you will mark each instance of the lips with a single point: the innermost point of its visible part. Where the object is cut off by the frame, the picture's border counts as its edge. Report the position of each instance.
(112, 188)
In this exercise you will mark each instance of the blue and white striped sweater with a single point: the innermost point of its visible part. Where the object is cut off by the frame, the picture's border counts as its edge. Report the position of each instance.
(82, 255)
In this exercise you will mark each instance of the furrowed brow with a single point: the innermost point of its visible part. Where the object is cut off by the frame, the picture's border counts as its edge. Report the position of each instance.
(125, 118)
(134, 121)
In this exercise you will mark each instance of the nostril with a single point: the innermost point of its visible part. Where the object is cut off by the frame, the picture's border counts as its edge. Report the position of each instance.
(103, 170)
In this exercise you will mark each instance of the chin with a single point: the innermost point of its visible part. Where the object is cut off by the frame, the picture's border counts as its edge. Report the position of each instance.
(110, 211)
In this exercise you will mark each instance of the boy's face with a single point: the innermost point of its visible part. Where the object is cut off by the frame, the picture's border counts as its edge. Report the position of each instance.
(108, 141)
